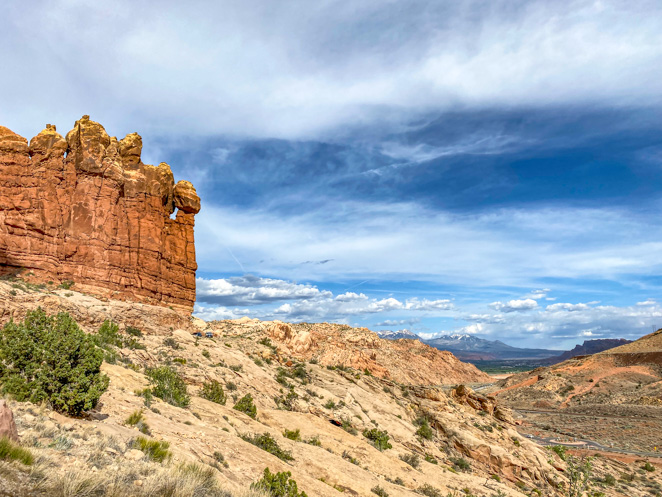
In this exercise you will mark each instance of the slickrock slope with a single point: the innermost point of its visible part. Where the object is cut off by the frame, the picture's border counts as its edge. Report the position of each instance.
(471, 436)
(404, 361)
(86, 209)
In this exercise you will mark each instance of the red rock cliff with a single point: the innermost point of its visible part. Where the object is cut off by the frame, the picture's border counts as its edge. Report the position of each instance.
(85, 208)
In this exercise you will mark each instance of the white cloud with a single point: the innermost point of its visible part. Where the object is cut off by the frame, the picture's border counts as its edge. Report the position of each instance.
(566, 307)
(304, 68)
(571, 322)
(218, 313)
(397, 322)
(301, 301)
(247, 290)
(514, 305)
(538, 294)
(648, 302)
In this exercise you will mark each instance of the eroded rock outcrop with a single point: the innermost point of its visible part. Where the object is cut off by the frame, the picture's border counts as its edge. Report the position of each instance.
(86, 209)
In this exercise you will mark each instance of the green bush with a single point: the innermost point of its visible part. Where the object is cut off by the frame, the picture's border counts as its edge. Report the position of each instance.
(246, 405)
(412, 459)
(133, 331)
(293, 434)
(168, 386)
(379, 491)
(314, 441)
(108, 335)
(648, 467)
(171, 342)
(213, 391)
(10, 451)
(429, 491)
(156, 450)
(287, 402)
(267, 443)
(278, 485)
(138, 420)
(424, 430)
(49, 358)
(460, 463)
(346, 425)
(378, 438)
(560, 451)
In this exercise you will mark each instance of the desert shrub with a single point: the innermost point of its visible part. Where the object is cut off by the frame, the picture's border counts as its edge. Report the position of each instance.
(206, 354)
(278, 485)
(156, 450)
(518, 443)
(108, 335)
(460, 463)
(378, 438)
(379, 491)
(66, 284)
(132, 344)
(314, 441)
(231, 386)
(171, 342)
(246, 405)
(138, 420)
(220, 458)
(10, 451)
(287, 402)
(610, 480)
(293, 434)
(429, 491)
(213, 391)
(179, 360)
(299, 372)
(267, 443)
(346, 455)
(146, 394)
(133, 331)
(560, 451)
(330, 404)
(236, 367)
(49, 358)
(346, 425)
(412, 459)
(648, 467)
(430, 458)
(168, 386)
(424, 430)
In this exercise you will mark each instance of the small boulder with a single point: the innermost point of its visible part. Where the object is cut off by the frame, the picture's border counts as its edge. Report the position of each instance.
(7, 423)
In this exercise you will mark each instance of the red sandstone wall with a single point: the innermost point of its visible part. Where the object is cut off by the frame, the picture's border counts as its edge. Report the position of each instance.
(86, 209)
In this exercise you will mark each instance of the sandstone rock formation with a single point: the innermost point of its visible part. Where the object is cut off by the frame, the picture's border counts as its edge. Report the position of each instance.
(405, 361)
(86, 209)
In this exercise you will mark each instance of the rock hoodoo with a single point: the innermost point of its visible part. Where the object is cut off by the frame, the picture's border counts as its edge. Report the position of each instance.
(86, 209)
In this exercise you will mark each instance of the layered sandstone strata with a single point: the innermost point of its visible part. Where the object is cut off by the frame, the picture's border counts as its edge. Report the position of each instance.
(86, 209)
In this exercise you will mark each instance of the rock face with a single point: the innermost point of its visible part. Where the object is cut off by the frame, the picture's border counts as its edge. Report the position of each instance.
(409, 362)
(7, 424)
(86, 209)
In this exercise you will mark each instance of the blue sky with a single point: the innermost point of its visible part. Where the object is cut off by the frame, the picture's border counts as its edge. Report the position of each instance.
(484, 167)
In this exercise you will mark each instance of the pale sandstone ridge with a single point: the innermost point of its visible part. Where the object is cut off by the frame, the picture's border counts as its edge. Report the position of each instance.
(405, 361)
(86, 209)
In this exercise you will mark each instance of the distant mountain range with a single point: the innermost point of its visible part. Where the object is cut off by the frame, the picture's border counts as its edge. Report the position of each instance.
(470, 348)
